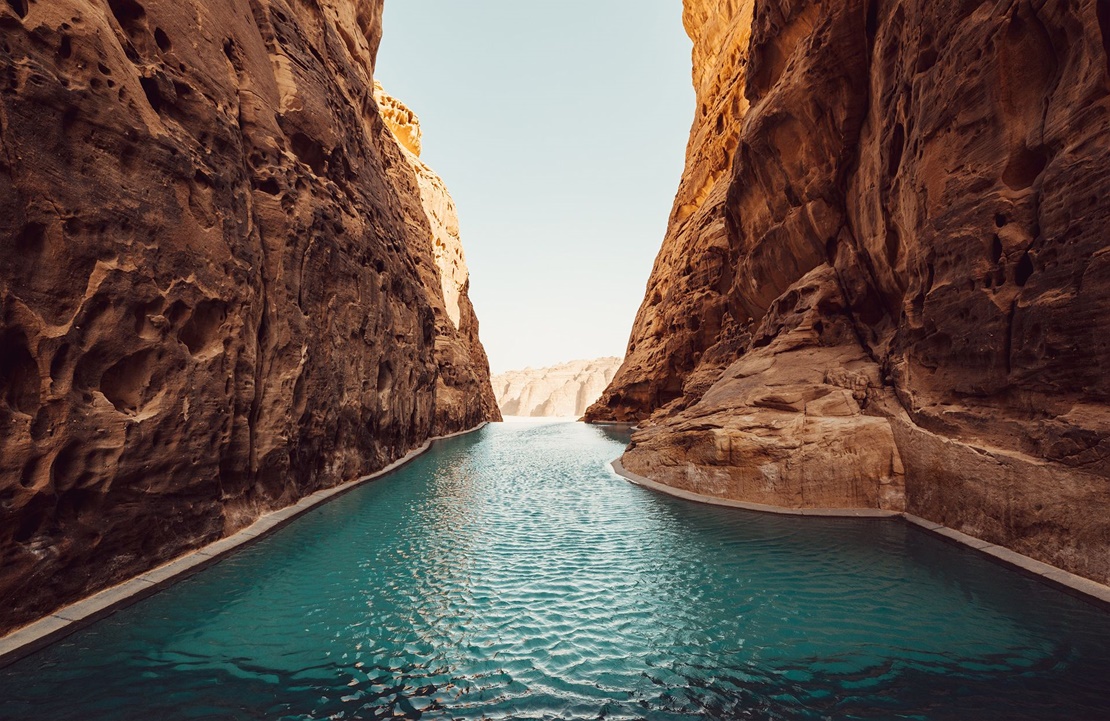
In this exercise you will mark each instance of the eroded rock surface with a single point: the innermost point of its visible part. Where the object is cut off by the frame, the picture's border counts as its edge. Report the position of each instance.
(565, 390)
(947, 161)
(786, 425)
(218, 291)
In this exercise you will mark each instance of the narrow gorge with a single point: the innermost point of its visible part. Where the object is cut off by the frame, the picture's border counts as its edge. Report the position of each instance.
(227, 280)
(886, 278)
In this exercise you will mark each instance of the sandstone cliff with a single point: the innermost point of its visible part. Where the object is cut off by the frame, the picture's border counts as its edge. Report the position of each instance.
(462, 384)
(886, 280)
(565, 390)
(218, 286)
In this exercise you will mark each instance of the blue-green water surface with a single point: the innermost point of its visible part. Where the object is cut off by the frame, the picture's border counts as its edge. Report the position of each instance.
(510, 574)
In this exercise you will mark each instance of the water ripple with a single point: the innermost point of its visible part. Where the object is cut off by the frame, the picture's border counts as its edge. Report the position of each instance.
(510, 574)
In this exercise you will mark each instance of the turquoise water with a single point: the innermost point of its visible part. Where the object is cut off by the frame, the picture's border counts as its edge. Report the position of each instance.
(510, 574)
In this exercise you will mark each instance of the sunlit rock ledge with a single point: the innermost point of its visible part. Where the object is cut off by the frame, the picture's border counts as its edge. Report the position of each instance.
(443, 217)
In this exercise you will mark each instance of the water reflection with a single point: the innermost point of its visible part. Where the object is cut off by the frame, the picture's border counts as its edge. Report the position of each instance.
(617, 433)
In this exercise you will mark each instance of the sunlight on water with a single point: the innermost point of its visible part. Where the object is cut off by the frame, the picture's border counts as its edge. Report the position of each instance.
(510, 574)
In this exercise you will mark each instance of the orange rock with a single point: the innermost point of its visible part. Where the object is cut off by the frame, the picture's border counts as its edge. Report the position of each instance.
(788, 423)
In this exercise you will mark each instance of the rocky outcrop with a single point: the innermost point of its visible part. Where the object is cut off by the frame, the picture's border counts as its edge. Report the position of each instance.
(218, 287)
(932, 178)
(788, 423)
(565, 390)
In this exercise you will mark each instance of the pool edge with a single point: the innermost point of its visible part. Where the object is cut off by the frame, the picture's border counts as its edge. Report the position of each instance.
(50, 629)
(1073, 584)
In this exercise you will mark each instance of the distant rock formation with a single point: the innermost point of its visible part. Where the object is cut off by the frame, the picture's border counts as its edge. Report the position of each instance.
(565, 390)
(222, 285)
(886, 279)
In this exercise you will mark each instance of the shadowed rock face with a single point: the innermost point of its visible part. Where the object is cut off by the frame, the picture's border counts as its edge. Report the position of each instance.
(218, 290)
(940, 169)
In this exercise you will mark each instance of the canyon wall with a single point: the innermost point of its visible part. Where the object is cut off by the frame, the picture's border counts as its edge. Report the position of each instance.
(219, 287)
(565, 390)
(886, 280)
(463, 389)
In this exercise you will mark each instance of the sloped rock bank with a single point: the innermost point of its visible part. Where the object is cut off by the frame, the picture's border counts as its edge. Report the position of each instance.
(218, 283)
(886, 281)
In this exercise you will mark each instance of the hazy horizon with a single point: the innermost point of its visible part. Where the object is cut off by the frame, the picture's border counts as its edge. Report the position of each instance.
(562, 143)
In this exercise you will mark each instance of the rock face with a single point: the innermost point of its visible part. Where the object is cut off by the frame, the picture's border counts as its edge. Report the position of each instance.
(439, 208)
(787, 424)
(463, 388)
(565, 390)
(905, 200)
(218, 290)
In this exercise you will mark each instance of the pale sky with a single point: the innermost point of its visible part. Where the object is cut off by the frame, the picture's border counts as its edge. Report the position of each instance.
(559, 127)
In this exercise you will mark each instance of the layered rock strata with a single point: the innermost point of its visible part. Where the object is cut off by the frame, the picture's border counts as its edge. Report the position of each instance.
(565, 390)
(905, 200)
(218, 290)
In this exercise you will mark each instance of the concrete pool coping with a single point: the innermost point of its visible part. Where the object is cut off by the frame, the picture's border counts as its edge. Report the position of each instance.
(39, 634)
(1070, 583)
